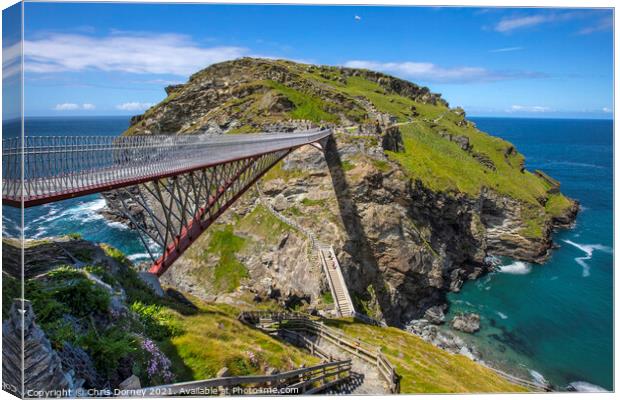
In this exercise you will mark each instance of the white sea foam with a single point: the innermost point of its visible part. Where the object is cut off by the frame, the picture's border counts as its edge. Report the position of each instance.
(576, 164)
(87, 212)
(501, 315)
(138, 256)
(588, 249)
(581, 386)
(116, 225)
(538, 377)
(516, 268)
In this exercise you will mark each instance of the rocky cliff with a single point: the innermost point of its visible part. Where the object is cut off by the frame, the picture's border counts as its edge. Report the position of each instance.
(413, 197)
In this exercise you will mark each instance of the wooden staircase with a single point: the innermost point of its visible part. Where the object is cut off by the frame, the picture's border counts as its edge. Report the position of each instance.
(327, 257)
(335, 279)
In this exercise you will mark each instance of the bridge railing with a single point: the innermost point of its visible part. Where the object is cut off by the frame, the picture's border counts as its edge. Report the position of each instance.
(54, 165)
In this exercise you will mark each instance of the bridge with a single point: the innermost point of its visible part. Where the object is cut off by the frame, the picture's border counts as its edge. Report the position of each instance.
(171, 187)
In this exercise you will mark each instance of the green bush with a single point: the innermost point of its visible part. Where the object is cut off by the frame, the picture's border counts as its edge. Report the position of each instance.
(158, 323)
(60, 331)
(109, 347)
(45, 306)
(70, 287)
(115, 254)
(327, 297)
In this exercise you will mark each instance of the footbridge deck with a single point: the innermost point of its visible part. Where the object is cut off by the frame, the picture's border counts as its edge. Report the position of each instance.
(60, 167)
(171, 187)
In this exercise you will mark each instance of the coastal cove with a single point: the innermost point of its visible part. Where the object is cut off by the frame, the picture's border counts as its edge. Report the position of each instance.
(555, 318)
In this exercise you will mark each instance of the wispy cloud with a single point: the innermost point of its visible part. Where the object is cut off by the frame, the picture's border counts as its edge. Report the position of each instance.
(512, 23)
(138, 53)
(134, 106)
(530, 109)
(506, 49)
(11, 64)
(603, 24)
(607, 110)
(516, 22)
(430, 72)
(74, 106)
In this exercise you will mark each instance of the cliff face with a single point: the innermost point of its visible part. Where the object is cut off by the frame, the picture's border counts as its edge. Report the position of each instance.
(411, 195)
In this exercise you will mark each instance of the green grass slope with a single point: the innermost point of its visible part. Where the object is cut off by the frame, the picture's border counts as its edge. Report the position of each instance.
(191, 340)
(423, 367)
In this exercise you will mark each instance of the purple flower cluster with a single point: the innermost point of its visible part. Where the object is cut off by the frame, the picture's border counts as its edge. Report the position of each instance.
(253, 359)
(158, 365)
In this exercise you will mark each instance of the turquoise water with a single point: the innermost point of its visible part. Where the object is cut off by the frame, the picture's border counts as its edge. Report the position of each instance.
(555, 319)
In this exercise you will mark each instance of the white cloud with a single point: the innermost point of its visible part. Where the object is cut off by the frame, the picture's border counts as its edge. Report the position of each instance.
(138, 53)
(11, 62)
(602, 25)
(66, 107)
(358, 18)
(134, 106)
(607, 110)
(74, 106)
(531, 109)
(509, 24)
(506, 49)
(434, 73)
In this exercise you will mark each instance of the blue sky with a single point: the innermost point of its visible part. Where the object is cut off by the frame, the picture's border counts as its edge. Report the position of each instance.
(113, 59)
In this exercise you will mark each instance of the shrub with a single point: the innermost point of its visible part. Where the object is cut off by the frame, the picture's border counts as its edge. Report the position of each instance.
(45, 306)
(108, 348)
(158, 323)
(70, 287)
(115, 254)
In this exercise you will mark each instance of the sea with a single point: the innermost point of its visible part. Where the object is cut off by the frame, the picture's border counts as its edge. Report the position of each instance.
(550, 322)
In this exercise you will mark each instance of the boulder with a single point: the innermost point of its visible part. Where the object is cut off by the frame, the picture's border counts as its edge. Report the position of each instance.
(469, 322)
(131, 383)
(152, 281)
(435, 315)
(279, 203)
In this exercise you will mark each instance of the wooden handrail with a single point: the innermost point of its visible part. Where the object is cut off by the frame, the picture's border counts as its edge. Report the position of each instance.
(299, 379)
(356, 347)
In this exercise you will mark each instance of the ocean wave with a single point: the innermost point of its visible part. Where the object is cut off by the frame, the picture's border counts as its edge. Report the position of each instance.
(493, 260)
(588, 249)
(575, 164)
(501, 315)
(139, 256)
(86, 212)
(516, 268)
(116, 225)
(538, 377)
(581, 386)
